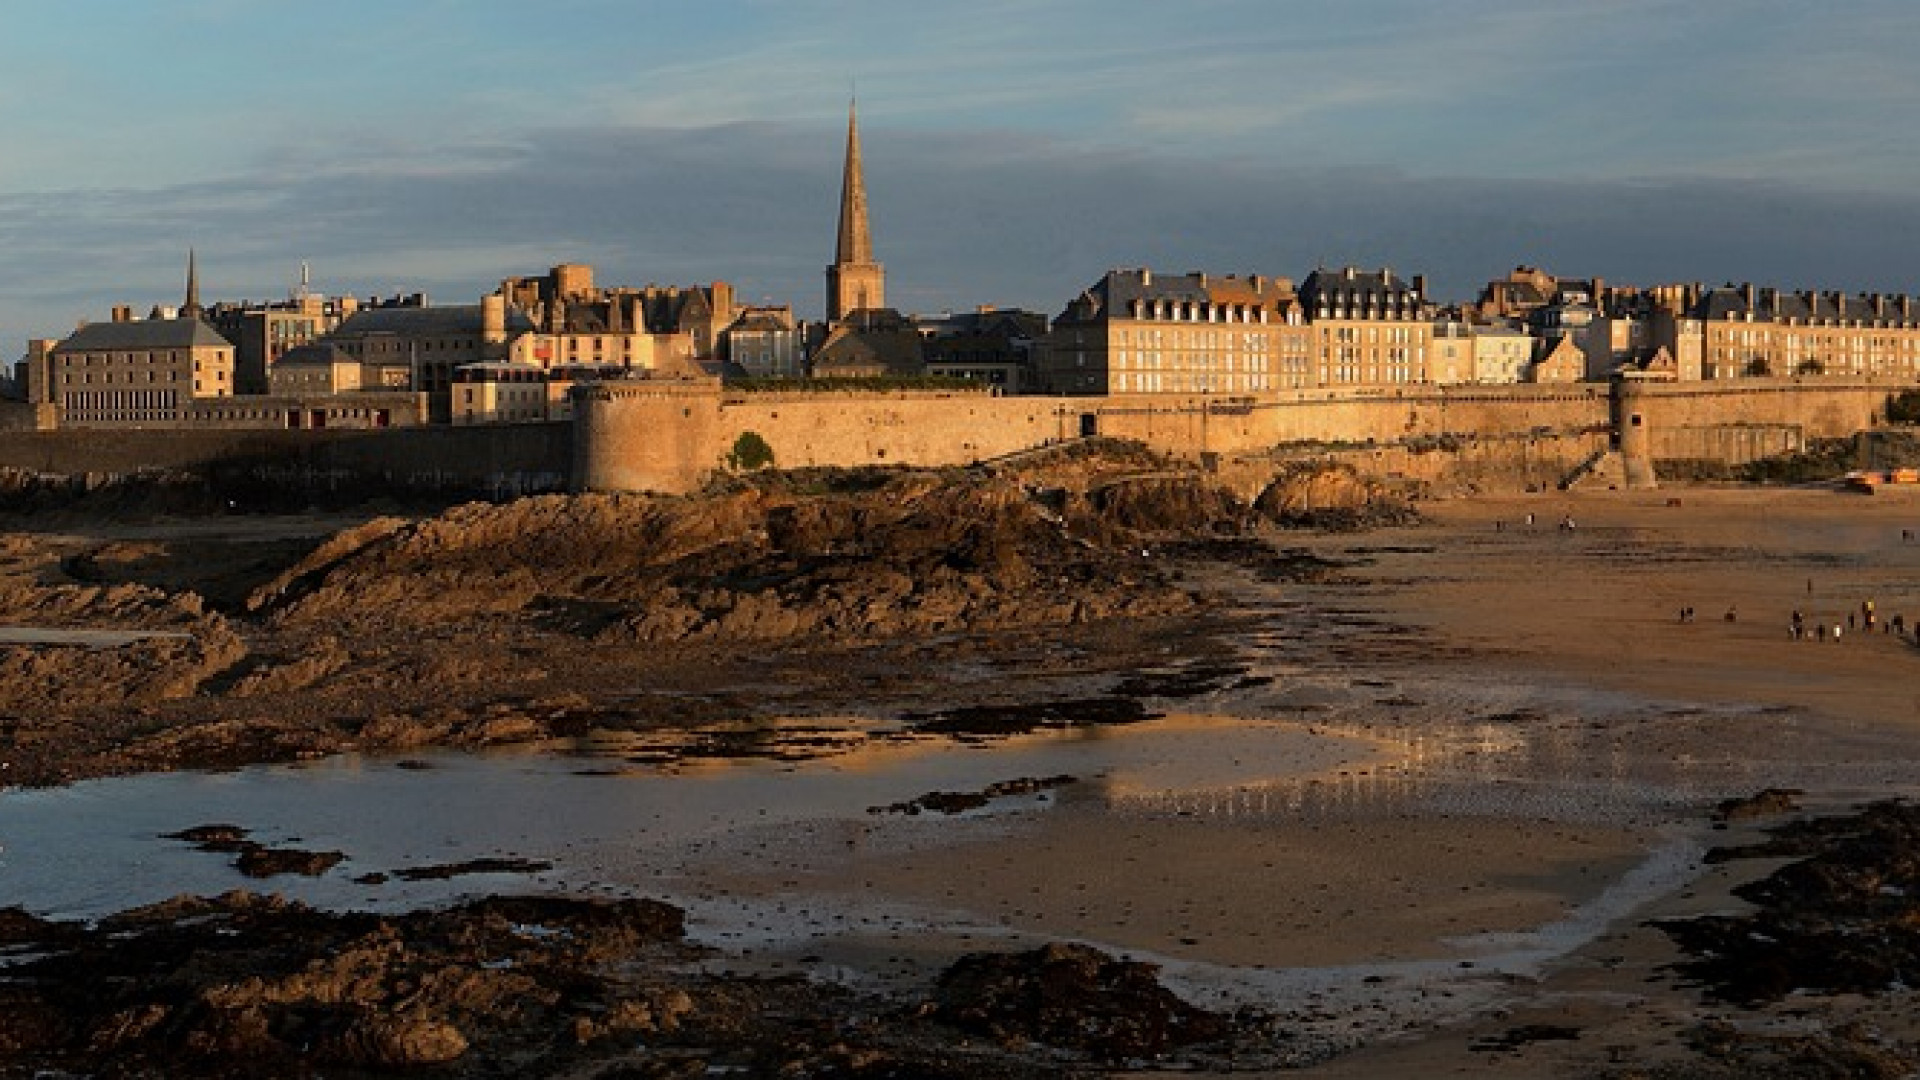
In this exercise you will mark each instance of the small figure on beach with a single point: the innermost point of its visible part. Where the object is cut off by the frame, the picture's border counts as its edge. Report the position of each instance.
(1733, 614)
(1566, 523)
(1797, 626)
(1529, 519)
(1686, 614)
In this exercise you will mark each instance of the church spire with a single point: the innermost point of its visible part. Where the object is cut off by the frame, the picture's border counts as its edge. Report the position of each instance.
(192, 309)
(856, 243)
(854, 282)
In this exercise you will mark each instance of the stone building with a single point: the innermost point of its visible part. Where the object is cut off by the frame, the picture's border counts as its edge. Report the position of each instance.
(993, 346)
(430, 342)
(1370, 328)
(765, 342)
(1464, 351)
(138, 372)
(264, 332)
(873, 343)
(1135, 331)
(571, 322)
(497, 393)
(1752, 331)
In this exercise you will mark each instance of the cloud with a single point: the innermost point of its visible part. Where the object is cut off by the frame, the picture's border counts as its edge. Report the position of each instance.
(959, 219)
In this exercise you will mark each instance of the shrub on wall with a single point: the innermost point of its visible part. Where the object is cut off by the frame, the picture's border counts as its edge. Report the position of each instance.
(1904, 408)
(750, 452)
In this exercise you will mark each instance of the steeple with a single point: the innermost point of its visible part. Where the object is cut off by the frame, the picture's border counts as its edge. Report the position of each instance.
(192, 309)
(854, 282)
(856, 243)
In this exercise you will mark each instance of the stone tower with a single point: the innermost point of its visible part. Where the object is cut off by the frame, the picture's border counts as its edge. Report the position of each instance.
(854, 282)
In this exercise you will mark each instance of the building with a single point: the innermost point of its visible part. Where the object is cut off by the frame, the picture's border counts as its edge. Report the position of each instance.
(429, 342)
(855, 282)
(1370, 328)
(1751, 331)
(138, 372)
(264, 332)
(568, 321)
(994, 346)
(1138, 332)
(504, 393)
(1502, 353)
(765, 342)
(875, 343)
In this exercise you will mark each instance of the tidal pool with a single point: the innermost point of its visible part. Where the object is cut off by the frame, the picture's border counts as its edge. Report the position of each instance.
(615, 815)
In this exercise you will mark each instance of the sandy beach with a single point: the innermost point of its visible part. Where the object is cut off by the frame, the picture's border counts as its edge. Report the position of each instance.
(1403, 801)
(1550, 738)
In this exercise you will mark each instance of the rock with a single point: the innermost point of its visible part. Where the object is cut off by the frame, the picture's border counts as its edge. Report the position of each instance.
(1073, 997)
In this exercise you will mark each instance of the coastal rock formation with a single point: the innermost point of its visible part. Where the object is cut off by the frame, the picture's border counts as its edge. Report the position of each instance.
(912, 555)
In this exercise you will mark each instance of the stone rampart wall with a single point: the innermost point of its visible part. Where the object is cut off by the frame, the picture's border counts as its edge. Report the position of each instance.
(671, 435)
(1732, 444)
(493, 461)
(918, 429)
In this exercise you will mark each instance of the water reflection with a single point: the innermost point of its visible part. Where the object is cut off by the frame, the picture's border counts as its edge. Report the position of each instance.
(96, 847)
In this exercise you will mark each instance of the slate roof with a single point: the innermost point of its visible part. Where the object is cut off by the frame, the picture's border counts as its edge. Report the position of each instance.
(1352, 286)
(423, 321)
(142, 334)
(1117, 292)
(1772, 304)
(314, 354)
(851, 349)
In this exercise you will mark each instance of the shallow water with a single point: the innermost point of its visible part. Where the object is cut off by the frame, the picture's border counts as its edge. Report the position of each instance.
(604, 814)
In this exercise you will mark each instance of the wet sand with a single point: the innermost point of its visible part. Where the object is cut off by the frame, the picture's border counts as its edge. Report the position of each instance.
(1561, 736)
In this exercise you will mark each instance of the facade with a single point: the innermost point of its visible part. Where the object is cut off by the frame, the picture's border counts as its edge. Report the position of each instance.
(1370, 328)
(876, 343)
(1563, 362)
(263, 333)
(992, 346)
(855, 282)
(364, 410)
(1750, 331)
(429, 342)
(765, 342)
(502, 393)
(138, 372)
(1136, 331)
(1502, 354)
(562, 319)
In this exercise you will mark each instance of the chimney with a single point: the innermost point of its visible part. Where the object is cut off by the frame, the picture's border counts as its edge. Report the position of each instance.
(1420, 286)
(1746, 291)
(122, 313)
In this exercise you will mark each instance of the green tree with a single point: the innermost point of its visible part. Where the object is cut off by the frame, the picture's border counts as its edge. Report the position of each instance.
(1904, 408)
(749, 452)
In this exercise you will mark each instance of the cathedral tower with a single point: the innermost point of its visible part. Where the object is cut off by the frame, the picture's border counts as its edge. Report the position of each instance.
(854, 282)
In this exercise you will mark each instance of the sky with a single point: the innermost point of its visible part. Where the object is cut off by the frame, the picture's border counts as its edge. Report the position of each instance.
(1014, 152)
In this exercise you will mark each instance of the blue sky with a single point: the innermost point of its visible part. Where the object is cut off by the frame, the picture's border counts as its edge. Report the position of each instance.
(1015, 151)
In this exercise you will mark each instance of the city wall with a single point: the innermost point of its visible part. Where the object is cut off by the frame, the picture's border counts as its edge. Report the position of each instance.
(501, 460)
(670, 436)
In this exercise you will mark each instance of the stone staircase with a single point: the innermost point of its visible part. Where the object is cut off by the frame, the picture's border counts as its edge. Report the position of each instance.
(1610, 469)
